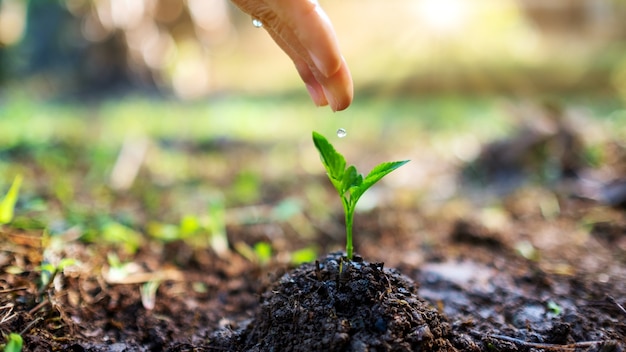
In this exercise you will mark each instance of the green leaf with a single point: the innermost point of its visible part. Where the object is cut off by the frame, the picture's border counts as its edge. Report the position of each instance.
(65, 262)
(381, 170)
(263, 251)
(148, 293)
(351, 178)
(7, 205)
(217, 226)
(164, 232)
(114, 232)
(377, 173)
(189, 225)
(14, 343)
(304, 255)
(334, 162)
(554, 308)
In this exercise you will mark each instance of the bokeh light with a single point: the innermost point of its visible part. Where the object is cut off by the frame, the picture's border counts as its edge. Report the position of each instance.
(12, 21)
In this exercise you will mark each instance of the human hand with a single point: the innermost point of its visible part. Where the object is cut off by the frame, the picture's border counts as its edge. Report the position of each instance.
(303, 31)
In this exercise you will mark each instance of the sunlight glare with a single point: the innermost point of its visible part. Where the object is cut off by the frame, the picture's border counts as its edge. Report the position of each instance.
(442, 15)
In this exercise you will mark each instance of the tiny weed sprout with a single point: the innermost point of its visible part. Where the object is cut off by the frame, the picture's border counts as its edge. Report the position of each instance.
(350, 184)
(7, 203)
(554, 308)
(49, 272)
(217, 227)
(14, 343)
(148, 294)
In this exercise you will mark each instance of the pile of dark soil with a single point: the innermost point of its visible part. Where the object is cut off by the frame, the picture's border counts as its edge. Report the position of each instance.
(337, 305)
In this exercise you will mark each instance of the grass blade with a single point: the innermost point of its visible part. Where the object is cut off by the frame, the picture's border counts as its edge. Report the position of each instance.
(7, 205)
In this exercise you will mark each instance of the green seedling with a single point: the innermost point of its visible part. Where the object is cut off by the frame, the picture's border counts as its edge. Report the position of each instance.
(118, 233)
(14, 343)
(119, 271)
(148, 293)
(217, 227)
(350, 184)
(197, 231)
(263, 251)
(50, 271)
(7, 203)
(260, 253)
(554, 308)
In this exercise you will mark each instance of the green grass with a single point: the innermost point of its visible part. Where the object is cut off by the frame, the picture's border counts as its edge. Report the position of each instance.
(247, 118)
(261, 118)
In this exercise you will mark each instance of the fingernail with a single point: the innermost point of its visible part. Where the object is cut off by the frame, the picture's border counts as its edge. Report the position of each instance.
(321, 66)
(317, 96)
(332, 101)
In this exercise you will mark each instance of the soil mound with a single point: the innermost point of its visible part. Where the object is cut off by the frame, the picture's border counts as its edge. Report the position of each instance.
(336, 305)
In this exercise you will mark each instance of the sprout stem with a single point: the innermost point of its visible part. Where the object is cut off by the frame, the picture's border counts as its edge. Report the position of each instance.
(349, 212)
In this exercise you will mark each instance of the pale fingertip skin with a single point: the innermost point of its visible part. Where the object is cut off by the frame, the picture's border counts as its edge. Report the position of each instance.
(304, 32)
(314, 32)
(339, 89)
(317, 95)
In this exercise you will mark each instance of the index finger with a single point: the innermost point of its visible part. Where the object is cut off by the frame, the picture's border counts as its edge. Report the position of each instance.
(313, 29)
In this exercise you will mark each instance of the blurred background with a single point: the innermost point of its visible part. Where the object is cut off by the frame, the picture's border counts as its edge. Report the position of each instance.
(197, 48)
(144, 114)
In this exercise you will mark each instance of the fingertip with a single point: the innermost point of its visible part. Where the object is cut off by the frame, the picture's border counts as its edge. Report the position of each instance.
(314, 32)
(339, 89)
(342, 105)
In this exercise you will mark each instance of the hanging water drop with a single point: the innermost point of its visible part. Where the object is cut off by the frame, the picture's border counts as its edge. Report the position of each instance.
(257, 23)
(341, 132)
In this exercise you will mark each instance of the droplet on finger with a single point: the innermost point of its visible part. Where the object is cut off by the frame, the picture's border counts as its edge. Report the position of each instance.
(257, 23)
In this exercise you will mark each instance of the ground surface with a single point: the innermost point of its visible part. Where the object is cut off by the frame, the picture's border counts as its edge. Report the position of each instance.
(515, 266)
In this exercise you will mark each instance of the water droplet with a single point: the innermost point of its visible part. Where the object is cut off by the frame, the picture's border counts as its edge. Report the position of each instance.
(257, 23)
(341, 133)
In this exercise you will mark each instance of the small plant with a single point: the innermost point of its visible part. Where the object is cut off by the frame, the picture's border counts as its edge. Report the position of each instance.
(14, 343)
(350, 184)
(554, 308)
(217, 227)
(148, 293)
(49, 271)
(7, 203)
(260, 253)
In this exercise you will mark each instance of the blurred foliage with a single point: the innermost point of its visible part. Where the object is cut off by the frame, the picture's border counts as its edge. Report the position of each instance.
(105, 158)
(7, 203)
(207, 171)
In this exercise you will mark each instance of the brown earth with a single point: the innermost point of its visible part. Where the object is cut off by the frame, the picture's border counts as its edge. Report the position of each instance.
(469, 290)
